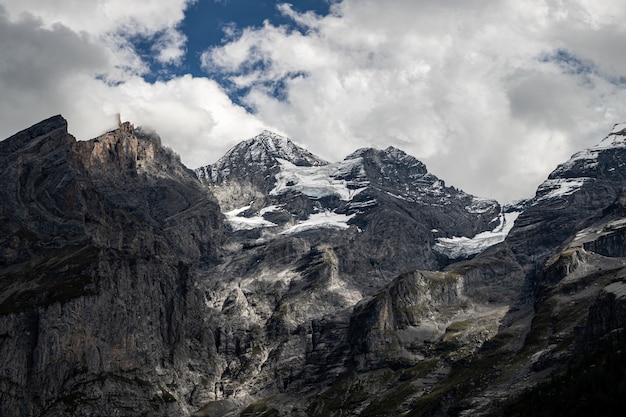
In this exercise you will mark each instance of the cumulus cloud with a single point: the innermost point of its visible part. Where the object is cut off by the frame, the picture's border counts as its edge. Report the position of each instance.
(35, 68)
(192, 115)
(102, 16)
(490, 94)
(114, 23)
(169, 46)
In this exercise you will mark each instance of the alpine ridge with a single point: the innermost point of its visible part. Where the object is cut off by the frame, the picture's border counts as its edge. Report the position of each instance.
(273, 282)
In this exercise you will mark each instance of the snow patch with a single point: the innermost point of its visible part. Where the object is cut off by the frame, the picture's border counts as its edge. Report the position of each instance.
(269, 209)
(618, 128)
(362, 204)
(238, 222)
(237, 212)
(560, 187)
(611, 141)
(462, 247)
(399, 197)
(323, 220)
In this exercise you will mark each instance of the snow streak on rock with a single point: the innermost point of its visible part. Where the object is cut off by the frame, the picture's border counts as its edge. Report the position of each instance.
(463, 247)
(238, 222)
(560, 187)
(323, 220)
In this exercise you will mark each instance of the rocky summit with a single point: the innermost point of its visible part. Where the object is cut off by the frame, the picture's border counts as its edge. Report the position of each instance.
(274, 283)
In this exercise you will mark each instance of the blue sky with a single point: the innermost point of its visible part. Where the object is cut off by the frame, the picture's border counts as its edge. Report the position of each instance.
(490, 94)
(205, 22)
(205, 25)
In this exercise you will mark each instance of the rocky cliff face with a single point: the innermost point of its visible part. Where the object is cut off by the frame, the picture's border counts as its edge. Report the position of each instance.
(566, 248)
(99, 244)
(276, 283)
(578, 189)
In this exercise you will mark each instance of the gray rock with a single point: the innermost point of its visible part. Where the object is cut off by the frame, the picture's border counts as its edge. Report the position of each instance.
(125, 289)
(98, 247)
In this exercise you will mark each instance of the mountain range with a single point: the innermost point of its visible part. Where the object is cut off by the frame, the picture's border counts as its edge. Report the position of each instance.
(274, 283)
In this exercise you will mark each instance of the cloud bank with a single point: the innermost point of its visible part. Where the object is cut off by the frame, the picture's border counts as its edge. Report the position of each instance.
(491, 95)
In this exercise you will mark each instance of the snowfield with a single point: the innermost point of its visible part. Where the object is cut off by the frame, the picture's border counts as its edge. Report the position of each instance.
(315, 182)
(462, 247)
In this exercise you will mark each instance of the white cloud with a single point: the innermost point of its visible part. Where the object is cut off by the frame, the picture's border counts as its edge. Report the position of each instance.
(192, 115)
(102, 16)
(36, 67)
(169, 46)
(49, 68)
(113, 23)
(473, 88)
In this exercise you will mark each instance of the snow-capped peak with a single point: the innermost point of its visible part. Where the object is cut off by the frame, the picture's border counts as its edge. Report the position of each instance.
(615, 139)
(253, 157)
(571, 175)
(396, 153)
(619, 129)
(269, 144)
(391, 151)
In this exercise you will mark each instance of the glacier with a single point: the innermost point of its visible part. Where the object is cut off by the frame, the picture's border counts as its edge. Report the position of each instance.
(315, 182)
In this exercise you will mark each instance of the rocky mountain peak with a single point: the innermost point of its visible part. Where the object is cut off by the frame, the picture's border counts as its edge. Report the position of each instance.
(379, 158)
(262, 190)
(282, 147)
(586, 184)
(130, 149)
(617, 137)
(392, 169)
(394, 152)
(53, 129)
(258, 154)
(96, 236)
(587, 167)
(269, 145)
